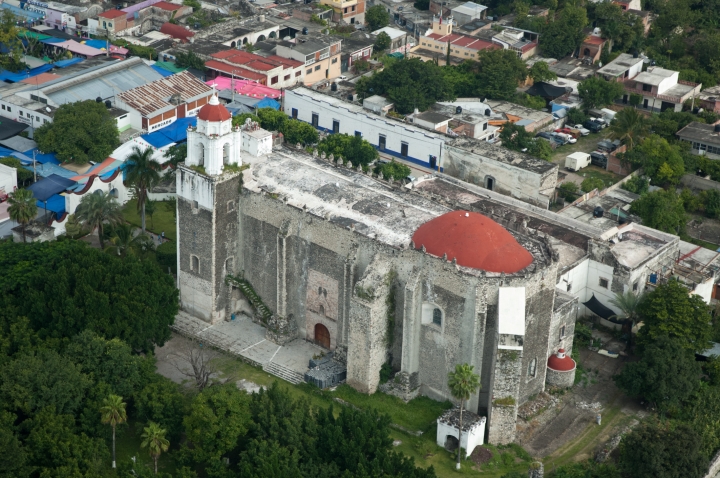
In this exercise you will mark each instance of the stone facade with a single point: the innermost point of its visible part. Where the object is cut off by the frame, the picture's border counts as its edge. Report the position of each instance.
(557, 378)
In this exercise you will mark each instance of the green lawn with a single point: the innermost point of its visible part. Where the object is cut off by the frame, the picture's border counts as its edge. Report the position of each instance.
(162, 221)
(594, 172)
(585, 144)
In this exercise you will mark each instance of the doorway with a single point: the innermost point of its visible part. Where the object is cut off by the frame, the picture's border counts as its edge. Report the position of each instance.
(322, 336)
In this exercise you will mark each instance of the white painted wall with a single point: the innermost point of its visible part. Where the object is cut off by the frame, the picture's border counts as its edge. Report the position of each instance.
(421, 143)
(195, 187)
(206, 145)
(8, 179)
(704, 290)
(72, 200)
(470, 439)
(257, 143)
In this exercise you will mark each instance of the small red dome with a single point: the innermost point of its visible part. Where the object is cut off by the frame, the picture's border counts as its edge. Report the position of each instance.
(561, 362)
(214, 111)
(475, 240)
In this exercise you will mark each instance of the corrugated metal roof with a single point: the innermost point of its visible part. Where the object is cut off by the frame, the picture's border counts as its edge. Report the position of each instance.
(154, 96)
(104, 84)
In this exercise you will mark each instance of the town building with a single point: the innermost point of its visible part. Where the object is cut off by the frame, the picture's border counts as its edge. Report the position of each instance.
(469, 12)
(320, 55)
(592, 47)
(704, 139)
(709, 99)
(159, 103)
(422, 147)
(358, 46)
(400, 41)
(348, 11)
(273, 71)
(113, 21)
(440, 42)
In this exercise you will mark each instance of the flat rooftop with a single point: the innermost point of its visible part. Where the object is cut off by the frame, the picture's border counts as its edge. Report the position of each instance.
(638, 243)
(508, 108)
(619, 65)
(700, 132)
(615, 202)
(502, 155)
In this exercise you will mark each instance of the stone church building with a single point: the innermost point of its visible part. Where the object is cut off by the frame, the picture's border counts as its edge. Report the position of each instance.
(371, 270)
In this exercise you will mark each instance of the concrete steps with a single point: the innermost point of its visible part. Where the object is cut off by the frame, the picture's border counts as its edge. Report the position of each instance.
(283, 373)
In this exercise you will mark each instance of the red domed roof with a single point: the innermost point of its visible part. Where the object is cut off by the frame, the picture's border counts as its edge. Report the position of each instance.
(561, 362)
(475, 240)
(214, 111)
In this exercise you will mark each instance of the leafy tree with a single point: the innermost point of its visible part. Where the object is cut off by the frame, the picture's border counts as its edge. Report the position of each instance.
(96, 209)
(576, 116)
(628, 303)
(22, 208)
(629, 126)
(666, 374)
(218, 417)
(422, 4)
(113, 413)
(662, 450)
(596, 92)
(150, 208)
(499, 72)
(66, 287)
(671, 311)
(72, 227)
(541, 72)
(154, 440)
(42, 379)
(377, 17)
(177, 154)
(517, 138)
(534, 102)
(80, 132)
(271, 119)
(142, 172)
(162, 402)
(690, 201)
(56, 449)
(563, 35)
(394, 170)
(296, 131)
(702, 413)
(589, 184)
(11, 59)
(568, 191)
(661, 161)
(23, 175)
(16, 460)
(124, 241)
(409, 84)
(586, 469)
(463, 382)
(239, 120)
(166, 255)
(382, 42)
(637, 185)
(711, 201)
(661, 210)
(189, 60)
(361, 65)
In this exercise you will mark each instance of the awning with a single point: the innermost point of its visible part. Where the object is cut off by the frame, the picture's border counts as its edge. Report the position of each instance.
(162, 71)
(24, 74)
(18, 143)
(597, 308)
(49, 186)
(10, 128)
(545, 90)
(64, 63)
(55, 203)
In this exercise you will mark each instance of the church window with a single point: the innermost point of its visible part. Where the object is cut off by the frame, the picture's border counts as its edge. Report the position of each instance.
(195, 206)
(603, 283)
(336, 126)
(231, 206)
(319, 290)
(562, 332)
(532, 368)
(322, 310)
(635, 286)
(195, 264)
(437, 316)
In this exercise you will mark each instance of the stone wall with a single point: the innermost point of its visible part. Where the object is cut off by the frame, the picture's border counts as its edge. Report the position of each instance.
(560, 379)
(508, 374)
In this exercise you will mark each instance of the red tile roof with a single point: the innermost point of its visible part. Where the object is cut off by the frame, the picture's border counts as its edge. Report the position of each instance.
(238, 71)
(167, 6)
(464, 41)
(113, 14)
(214, 111)
(475, 240)
(286, 61)
(561, 362)
(594, 40)
(255, 62)
(176, 31)
(41, 78)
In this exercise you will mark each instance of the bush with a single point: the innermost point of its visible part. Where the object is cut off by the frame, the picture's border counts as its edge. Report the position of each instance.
(397, 171)
(576, 116)
(589, 184)
(568, 191)
(166, 254)
(637, 185)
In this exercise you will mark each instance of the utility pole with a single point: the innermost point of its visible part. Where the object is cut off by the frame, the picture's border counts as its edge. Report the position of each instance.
(34, 170)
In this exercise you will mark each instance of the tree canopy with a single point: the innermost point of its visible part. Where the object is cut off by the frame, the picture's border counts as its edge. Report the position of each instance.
(564, 34)
(596, 92)
(661, 210)
(66, 287)
(517, 138)
(377, 17)
(382, 42)
(80, 132)
(353, 148)
(498, 73)
(409, 84)
(661, 161)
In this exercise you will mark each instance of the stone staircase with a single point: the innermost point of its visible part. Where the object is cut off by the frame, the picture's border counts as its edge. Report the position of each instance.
(283, 373)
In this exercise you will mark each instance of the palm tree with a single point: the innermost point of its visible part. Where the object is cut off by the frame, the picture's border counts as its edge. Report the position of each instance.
(463, 382)
(629, 126)
(143, 173)
(124, 240)
(96, 209)
(628, 303)
(155, 441)
(113, 412)
(23, 208)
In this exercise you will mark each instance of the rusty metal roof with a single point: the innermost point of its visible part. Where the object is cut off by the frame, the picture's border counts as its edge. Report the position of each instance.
(155, 96)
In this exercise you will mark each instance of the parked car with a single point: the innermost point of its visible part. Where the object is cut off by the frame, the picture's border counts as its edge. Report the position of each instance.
(544, 135)
(600, 121)
(606, 146)
(582, 130)
(566, 138)
(598, 159)
(564, 130)
(559, 140)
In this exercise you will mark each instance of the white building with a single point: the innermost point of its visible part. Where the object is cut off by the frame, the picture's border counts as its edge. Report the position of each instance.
(8, 179)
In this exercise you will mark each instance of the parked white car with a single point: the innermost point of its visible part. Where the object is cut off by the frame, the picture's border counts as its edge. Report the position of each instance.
(565, 137)
(583, 131)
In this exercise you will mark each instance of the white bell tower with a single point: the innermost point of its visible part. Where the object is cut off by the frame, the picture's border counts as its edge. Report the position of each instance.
(214, 142)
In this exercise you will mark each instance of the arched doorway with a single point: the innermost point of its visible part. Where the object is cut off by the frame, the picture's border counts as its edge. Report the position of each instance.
(261, 38)
(233, 44)
(322, 336)
(586, 52)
